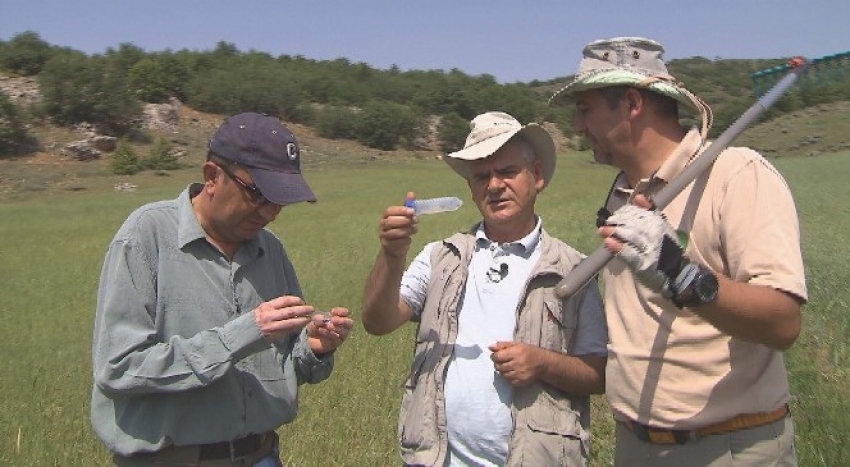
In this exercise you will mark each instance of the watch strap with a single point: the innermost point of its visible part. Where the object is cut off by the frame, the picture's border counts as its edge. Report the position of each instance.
(685, 288)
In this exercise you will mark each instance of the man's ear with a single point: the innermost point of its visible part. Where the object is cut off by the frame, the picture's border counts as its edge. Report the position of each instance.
(634, 101)
(539, 179)
(210, 172)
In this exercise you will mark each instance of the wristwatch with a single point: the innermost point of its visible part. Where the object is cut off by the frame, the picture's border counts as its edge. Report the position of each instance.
(695, 286)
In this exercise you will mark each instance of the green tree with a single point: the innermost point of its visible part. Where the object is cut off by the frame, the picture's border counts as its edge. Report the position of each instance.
(25, 54)
(65, 84)
(125, 57)
(14, 137)
(124, 159)
(513, 99)
(383, 125)
(727, 114)
(446, 99)
(224, 52)
(562, 115)
(257, 87)
(150, 81)
(336, 123)
(452, 133)
(77, 89)
(160, 157)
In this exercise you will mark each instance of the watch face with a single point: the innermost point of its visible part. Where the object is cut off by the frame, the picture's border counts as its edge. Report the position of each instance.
(706, 287)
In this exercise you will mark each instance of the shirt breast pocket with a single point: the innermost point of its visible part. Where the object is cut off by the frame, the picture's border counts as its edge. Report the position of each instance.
(267, 365)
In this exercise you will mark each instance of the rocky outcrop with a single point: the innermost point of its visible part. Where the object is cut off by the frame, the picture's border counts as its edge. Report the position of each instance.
(23, 91)
(163, 117)
(80, 151)
(104, 143)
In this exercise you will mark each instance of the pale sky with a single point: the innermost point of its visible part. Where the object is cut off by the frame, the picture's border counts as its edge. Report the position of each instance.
(513, 41)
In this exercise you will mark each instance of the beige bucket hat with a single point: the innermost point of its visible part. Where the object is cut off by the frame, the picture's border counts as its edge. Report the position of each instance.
(636, 62)
(491, 130)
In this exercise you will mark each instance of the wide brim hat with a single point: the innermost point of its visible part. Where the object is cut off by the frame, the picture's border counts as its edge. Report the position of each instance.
(492, 130)
(635, 62)
(268, 151)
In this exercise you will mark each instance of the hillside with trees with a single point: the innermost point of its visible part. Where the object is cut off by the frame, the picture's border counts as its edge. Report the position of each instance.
(337, 99)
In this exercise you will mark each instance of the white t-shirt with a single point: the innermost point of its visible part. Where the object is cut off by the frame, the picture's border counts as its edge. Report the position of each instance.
(478, 399)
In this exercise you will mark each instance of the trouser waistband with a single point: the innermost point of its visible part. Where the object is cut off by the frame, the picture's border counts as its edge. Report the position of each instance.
(739, 422)
(240, 452)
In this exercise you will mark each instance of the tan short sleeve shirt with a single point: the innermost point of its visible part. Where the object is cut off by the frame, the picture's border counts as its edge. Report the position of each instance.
(668, 367)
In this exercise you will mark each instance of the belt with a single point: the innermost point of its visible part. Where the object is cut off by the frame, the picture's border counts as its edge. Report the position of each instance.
(740, 422)
(233, 449)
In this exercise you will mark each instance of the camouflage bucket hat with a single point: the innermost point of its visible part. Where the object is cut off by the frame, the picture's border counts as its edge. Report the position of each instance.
(636, 62)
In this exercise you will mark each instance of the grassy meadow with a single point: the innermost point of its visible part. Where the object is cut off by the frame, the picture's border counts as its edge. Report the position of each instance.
(53, 244)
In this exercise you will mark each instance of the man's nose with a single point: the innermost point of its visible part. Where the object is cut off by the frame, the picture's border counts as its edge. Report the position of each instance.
(495, 183)
(578, 126)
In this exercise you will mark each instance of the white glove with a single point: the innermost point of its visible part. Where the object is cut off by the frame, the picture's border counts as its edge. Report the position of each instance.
(651, 247)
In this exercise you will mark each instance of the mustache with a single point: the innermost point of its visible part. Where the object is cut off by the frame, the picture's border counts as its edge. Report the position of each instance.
(495, 197)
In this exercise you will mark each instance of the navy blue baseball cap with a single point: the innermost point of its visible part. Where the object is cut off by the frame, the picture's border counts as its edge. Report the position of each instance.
(270, 153)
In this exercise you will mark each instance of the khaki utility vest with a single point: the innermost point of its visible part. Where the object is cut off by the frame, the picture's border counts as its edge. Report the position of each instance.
(546, 421)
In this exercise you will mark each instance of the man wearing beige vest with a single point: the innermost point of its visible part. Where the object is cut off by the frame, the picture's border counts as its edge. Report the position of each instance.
(502, 369)
(702, 296)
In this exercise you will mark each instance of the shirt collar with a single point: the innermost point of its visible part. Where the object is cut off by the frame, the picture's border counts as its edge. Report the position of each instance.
(525, 245)
(188, 227)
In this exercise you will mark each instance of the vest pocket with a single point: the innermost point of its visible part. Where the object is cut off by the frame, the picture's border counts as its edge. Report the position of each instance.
(552, 434)
(558, 327)
(417, 406)
(414, 421)
(420, 355)
(554, 421)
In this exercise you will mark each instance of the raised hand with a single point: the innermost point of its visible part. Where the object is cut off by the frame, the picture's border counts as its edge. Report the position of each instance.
(397, 227)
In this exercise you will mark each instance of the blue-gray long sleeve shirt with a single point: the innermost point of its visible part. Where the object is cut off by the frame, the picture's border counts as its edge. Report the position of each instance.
(177, 356)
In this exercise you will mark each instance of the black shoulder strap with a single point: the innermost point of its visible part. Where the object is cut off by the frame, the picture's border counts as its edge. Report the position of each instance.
(603, 213)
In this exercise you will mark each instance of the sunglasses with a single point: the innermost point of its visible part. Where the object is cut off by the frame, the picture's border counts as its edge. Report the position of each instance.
(253, 191)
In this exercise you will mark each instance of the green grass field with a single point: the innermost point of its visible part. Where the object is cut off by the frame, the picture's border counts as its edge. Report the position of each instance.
(53, 244)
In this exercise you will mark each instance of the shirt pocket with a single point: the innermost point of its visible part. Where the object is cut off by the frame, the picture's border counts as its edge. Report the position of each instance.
(267, 365)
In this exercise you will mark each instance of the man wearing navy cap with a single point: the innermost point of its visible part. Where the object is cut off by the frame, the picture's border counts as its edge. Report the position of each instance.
(201, 333)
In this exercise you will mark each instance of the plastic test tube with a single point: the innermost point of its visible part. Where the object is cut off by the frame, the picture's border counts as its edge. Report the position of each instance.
(324, 316)
(434, 205)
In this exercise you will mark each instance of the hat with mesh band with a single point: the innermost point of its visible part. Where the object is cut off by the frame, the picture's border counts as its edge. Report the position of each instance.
(491, 130)
(631, 61)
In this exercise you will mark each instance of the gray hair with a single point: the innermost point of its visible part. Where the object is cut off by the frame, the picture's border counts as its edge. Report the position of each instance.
(526, 148)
